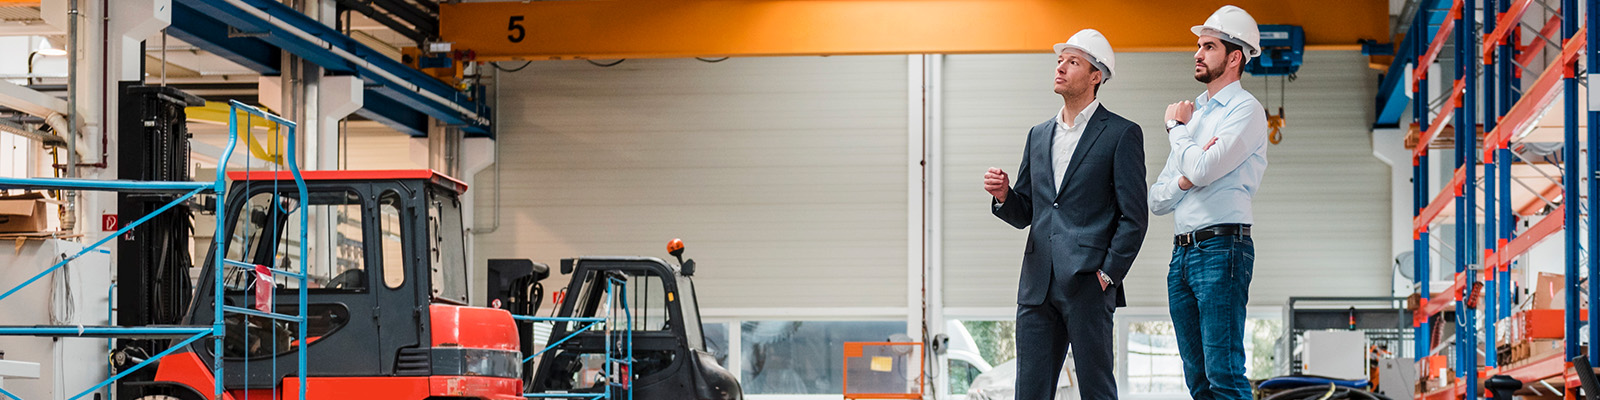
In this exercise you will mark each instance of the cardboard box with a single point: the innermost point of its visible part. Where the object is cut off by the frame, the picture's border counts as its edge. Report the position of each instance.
(23, 213)
(1548, 292)
(1541, 348)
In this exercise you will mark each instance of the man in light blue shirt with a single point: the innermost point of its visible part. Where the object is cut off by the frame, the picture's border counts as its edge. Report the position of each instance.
(1219, 152)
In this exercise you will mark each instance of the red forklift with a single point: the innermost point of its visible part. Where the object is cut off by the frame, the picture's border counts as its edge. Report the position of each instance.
(388, 315)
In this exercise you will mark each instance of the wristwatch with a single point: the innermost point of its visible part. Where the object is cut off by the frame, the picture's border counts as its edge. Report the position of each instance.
(1172, 123)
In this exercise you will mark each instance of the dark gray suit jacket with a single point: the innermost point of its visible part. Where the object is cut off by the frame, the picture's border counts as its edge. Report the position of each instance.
(1097, 221)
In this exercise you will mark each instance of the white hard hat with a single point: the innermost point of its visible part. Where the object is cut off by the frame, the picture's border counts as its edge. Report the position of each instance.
(1234, 25)
(1094, 45)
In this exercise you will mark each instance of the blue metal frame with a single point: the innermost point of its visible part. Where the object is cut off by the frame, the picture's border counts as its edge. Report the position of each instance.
(449, 111)
(1499, 92)
(1420, 252)
(1593, 53)
(191, 334)
(1466, 202)
(221, 262)
(1389, 105)
(199, 29)
(1569, 27)
(266, 58)
(613, 286)
(1502, 160)
(1490, 284)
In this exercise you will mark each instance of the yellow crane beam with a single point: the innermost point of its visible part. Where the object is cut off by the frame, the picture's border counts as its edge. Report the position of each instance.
(610, 29)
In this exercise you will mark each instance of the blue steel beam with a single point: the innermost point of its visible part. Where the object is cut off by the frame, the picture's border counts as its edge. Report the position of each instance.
(265, 58)
(1419, 193)
(149, 332)
(395, 115)
(1593, 199)
(384, 76)
(1467, 145)
(205, 32)
(1503, 164)
(1569, 28)
(1392, 89)
(1491, 297)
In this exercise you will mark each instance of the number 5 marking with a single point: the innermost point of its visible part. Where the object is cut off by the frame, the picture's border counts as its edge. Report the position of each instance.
(517, 31)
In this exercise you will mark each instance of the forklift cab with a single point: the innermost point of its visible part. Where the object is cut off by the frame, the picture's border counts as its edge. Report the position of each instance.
(670, 361)
(387, 288)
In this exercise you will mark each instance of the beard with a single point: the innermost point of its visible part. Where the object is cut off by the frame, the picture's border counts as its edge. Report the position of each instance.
(1208, 74)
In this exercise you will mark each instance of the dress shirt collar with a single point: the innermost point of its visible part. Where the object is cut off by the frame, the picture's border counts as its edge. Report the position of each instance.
(1082, 118)
(1225, 96)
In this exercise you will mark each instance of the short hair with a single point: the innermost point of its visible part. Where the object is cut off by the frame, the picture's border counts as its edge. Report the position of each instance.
(1229, 47)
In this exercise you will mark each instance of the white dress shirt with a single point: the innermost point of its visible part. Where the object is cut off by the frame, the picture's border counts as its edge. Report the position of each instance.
(1225, 175)
(1065, 140)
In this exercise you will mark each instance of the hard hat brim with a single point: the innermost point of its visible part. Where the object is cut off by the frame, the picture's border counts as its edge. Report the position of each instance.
(1202, 30)
(1060, 47)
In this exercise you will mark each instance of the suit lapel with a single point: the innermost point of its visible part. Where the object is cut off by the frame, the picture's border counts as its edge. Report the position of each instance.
(1090, 133)
(1042, 142)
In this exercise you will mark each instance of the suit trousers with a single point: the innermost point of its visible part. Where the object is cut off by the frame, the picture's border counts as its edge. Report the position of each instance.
(1076, 314)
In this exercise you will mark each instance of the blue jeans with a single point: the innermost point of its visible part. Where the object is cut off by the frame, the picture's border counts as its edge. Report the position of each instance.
(1207, 288)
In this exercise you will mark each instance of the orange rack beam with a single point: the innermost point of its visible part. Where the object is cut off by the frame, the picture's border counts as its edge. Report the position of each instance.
(1439, 121)
(1537, 202)
(1505, 23)
(1539, 231)
(1536, 99)
(1527, 52)
(1445, 197)
(1439, 39)
(1545, 367)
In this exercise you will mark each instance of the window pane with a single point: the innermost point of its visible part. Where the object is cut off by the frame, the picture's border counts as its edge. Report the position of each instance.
(996, 340)
(961, 375)
(393, 243)
(268, 233)
(1153, 362)
(1154, 365)
(803, 357)
(1260, 341)
(448, 254)
(647, 301)
(717, 342)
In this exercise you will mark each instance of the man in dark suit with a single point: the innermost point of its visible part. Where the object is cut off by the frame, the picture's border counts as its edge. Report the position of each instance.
(1081, 187)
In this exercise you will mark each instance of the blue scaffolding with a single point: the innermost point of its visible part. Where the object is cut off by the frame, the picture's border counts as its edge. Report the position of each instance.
(186, 191)
(1511, 112)
(606, 323)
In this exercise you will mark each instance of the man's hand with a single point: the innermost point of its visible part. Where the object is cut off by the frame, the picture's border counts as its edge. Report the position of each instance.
(997, 183)
(1105, 280)
(1180, 111)
(1209, 144)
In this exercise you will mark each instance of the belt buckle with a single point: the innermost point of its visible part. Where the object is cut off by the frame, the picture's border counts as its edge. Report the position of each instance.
(1185, 239)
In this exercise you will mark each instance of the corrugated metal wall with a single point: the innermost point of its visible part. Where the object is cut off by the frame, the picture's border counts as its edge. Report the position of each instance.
(1321, 214)
(784, 176)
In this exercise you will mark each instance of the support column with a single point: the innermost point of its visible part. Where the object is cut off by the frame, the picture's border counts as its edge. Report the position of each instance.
(1419, 99)
(341, 96)
(1593, 197)
(1569, 158)
(1491, 300)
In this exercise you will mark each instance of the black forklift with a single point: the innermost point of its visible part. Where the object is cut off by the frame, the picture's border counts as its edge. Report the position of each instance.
(669, 360)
